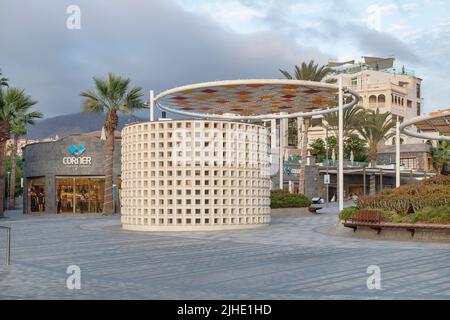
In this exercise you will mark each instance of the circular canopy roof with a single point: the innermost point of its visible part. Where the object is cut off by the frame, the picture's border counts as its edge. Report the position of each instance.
(434, 122)
(252, 99)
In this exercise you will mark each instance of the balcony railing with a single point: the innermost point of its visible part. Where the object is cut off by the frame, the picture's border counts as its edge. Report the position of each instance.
(359, 68)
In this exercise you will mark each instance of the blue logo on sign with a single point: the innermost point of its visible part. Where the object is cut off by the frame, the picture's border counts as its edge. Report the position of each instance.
(77, 150)
(287, 170)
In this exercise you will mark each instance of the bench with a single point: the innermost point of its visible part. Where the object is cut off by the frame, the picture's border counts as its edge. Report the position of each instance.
(372, 219)
(365, 218)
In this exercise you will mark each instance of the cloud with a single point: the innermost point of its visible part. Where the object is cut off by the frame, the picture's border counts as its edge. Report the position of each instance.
(156, 43)
(376, 12)
(163, 44)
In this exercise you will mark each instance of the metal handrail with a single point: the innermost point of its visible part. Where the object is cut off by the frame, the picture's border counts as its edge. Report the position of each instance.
(8, 245)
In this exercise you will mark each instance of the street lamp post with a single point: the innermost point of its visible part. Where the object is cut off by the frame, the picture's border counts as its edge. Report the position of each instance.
(397, 154)
(7, 190)
(341, 147)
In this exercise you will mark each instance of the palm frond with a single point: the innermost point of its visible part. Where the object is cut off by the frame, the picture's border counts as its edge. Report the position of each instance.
(286, 74)
(112, 94)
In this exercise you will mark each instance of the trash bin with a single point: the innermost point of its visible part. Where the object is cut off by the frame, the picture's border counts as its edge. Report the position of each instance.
(316, 203)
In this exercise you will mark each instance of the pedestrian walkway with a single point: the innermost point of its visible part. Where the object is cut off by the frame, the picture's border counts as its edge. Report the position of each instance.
(296, 257)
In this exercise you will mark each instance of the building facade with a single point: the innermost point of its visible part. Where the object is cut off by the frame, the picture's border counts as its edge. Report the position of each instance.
(67, 175)
(195, 175)
(416, 157)
(381, 85)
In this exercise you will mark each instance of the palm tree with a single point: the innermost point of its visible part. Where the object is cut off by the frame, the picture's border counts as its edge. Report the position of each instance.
(313, 72)
(375, 128)
(14, 105)
(112, 95)
(308, 71)
(441, 155)
(18, 128)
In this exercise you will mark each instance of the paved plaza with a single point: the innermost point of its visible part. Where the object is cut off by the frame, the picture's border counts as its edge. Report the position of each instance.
(299, 256)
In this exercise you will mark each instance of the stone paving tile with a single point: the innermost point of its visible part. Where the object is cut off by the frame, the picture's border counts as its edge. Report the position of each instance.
(297, 257)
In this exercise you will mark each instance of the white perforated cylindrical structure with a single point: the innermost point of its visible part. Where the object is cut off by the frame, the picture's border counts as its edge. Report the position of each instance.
(194, 175)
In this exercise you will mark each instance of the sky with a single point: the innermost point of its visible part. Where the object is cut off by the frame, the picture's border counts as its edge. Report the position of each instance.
(161, 44)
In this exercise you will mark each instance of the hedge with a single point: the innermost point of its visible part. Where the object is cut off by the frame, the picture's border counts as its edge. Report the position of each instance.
(433, 192)
(284, 199)
(426, 202)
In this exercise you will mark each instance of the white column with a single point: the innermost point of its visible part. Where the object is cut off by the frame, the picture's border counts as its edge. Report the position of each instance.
(281, 151)
(273, 134)
(397, 154)
(341, 147)
(152, 105)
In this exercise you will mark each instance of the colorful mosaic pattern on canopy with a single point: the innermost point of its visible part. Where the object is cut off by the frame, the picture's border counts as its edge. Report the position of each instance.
(251, 97)
(438, 121)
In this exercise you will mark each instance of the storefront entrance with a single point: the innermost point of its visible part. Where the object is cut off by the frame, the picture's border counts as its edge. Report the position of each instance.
(79, 194)
(36, 195)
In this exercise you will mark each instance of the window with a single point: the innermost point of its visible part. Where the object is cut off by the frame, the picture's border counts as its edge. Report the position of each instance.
(418, 108)
(418, 90)
(409, 163)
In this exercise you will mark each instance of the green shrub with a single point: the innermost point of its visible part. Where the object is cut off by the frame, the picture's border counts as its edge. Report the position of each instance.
(284, 199)
(348, 213)
(395, 217)
(432, 215)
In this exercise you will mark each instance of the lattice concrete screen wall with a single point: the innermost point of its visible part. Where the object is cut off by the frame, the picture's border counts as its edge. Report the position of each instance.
(195, 175)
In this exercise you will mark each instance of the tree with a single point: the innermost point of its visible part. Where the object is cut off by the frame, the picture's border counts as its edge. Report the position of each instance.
(18, 128)
(375, 128)
(354, 143)
(14, 105)
(111, 96)
(312, 72)
(441, 155)
(318, 148)
(352, 118)
(308, 71)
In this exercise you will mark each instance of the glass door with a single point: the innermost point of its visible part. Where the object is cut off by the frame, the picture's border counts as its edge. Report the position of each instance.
(96, 194)
(89, 195)
(65, 200)
(80, 194)
(36, 195)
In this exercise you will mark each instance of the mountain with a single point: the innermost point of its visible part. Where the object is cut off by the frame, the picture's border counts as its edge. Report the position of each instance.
(74, 123)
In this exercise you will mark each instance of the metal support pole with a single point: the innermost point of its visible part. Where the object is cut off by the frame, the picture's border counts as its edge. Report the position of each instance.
(341, 147)
(397, 154)
(281, 150)
(152, 105)
(273, 134)
(326, 159)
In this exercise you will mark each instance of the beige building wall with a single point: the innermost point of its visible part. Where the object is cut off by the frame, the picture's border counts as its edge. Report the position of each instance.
(195, 175)
(399, 94)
